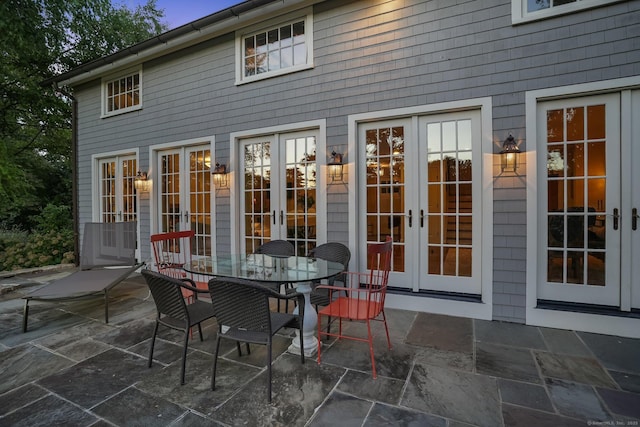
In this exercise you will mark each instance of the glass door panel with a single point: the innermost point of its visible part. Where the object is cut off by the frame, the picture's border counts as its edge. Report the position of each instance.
(279, 184)
(582, 185)
(301, 178)
(169, 192)
(108, 208)
(632, 178)
(184, 195)
(385, 189)
(257, 194)
(129, 205)
(450, 187)
(117, 197)
(200, 200)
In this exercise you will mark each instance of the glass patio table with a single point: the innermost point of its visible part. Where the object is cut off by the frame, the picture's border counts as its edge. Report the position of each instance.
(298, 270)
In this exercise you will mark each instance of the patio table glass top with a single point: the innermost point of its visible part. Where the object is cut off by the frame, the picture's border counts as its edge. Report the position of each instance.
(266, 268)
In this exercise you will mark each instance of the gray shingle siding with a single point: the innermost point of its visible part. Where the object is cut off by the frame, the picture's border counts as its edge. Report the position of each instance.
(369, 59)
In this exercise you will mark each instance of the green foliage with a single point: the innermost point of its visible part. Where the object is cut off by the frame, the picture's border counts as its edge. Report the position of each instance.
(51, 243)
(54, 217)
(21, 250)
(39, 39)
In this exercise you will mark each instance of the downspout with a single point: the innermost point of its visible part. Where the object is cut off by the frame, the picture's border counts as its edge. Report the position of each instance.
(74, 170)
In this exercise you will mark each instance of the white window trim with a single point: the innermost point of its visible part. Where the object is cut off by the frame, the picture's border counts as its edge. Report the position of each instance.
(520, 15)
(103, 93)
(306, 14)
(601, 324)
(483, 310)
(234, 177)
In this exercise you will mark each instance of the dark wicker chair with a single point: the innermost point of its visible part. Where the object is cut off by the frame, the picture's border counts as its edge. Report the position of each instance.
(173, 311)
(278, 248)
(242, 311)
(331, 251)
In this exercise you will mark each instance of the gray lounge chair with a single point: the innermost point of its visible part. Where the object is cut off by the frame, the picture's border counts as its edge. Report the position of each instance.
(107, 258)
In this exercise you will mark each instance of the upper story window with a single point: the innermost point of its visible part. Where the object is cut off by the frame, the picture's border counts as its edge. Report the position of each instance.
(122, 94)
(281, 47)
(531, 10)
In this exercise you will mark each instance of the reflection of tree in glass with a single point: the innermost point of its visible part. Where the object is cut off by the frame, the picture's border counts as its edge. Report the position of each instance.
(304, 173)
(255, 154)
(257, 167)
(534, 5)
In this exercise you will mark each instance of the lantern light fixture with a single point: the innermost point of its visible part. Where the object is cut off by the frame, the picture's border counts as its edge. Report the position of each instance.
(142, 182)
(509, 154)
(220, 177)
(336, 167)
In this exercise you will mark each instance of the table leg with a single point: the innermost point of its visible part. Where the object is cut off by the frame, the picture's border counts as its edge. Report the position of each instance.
(310, 322)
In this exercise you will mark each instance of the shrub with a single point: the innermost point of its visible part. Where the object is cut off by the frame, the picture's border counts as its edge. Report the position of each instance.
(54, 217)
(21, 250)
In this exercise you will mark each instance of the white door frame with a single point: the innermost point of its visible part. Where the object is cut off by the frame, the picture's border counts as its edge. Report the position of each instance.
(477, 310)
(597, 323)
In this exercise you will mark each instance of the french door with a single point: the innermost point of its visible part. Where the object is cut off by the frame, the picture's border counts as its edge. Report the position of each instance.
(631, 205)
(279, 184)
(580, 217)
(184, 194)
(117, 197)
(423, 181)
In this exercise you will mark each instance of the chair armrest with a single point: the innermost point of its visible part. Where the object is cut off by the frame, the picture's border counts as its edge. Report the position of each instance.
(192, 287)
(333, 288)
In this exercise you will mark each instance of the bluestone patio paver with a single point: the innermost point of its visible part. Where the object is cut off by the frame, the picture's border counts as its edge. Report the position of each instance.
(71, 368)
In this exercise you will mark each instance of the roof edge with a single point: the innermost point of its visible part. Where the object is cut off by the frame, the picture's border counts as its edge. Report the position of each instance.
(233, 12)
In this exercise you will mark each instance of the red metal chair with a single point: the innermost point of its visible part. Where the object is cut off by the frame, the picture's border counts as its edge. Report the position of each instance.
(364, 300)
(171, 251)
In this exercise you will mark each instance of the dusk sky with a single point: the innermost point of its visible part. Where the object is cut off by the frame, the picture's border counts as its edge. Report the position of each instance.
(177, 13)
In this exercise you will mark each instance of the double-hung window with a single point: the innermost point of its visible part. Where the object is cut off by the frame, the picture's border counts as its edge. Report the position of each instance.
(531, 10)
(122, 93)
(280, 47)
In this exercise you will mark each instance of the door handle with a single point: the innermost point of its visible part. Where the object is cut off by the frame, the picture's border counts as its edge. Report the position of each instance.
(421, 218)
(410, 218)
(616, 218)
(634, 219)
(186, 216)
(281, 218)
(274, 217)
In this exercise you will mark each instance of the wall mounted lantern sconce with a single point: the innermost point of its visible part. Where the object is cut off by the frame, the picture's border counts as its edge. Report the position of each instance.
(336, 165)
(220, 177)
(509, 154)
(141, 182)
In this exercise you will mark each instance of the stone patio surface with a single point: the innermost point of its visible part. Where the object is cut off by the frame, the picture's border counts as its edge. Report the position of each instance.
(72, 369)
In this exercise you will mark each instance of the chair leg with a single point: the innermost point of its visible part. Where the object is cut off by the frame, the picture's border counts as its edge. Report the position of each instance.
(373, 360)
(200, 332)
(215, 362)
(153, 342)
(384, 319)
(240, 349)
(269, 368)
(184, 355)
(25, 315)
(106, 306)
